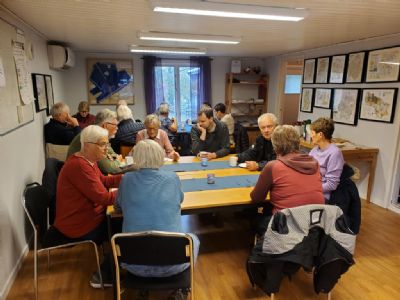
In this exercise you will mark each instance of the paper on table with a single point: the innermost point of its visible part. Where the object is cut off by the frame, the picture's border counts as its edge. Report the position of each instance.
(242, 165)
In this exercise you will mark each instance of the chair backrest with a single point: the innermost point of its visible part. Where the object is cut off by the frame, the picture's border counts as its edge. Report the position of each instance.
(49, 182)
(36, 201)
(125, 149)
(153, 248)
(241, 138)
(57, 151)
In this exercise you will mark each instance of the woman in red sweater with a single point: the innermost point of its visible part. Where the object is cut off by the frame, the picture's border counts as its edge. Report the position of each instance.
(83, 193)
(293, 179)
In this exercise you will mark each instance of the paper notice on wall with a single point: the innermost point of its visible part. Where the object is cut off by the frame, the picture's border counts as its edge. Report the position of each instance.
(2, 75)
(23, 76)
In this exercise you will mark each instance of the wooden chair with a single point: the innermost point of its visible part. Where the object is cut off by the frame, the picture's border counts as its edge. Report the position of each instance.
(124, 150)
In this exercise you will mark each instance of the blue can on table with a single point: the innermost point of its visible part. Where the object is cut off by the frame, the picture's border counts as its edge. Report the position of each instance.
(210, 178)
(204, 161)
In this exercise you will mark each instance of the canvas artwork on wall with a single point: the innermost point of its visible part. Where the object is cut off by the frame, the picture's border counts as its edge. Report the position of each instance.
(110, 80)
(345, 106)
(378, 104)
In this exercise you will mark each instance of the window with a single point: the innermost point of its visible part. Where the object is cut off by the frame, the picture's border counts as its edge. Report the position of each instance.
(293, 84)
(177, 84)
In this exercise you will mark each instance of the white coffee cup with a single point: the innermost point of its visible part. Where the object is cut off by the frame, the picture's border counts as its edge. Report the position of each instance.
(128, 160)
(202, 153)
(233, 161)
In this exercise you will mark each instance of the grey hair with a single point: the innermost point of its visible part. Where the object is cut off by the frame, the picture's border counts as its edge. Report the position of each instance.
(270, 116)
(92, 134)
(164, 108)
(148, 154)
(124, 113)
(285, 139)
(105, 115)
(152, 119)
(59, 108)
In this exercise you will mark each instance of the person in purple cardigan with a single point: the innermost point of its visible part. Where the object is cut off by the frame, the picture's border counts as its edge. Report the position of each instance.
(328, 155)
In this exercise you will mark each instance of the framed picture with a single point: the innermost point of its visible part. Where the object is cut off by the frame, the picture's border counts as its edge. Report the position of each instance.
(383, 65)
(110, 80)
(39, 91)
(338, 65)
(322, 70)
(309, 70)
(306, 104)
(345, 106)
(378, 104)
(355, 67)
(49, 93)
(323, 98)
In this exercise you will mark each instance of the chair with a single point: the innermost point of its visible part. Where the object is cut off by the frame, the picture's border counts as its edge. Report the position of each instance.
(125, 149)
(154, 248)
(56, 151)
(241, 138)
(36, 204)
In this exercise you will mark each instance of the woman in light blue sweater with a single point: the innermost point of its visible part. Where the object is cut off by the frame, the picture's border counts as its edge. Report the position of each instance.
(151, 199)
(328, 155)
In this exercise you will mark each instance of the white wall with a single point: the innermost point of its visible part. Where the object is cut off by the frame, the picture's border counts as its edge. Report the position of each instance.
(22, 162)
(76, 86)
(381, 135)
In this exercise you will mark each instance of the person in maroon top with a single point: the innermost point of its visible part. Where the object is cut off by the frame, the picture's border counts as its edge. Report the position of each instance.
(83, 194)
(293, 179)
(83, 116)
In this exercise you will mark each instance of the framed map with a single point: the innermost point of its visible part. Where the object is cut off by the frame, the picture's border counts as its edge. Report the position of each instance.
(383, 65)
(338, 64)
(39, 91)
(309, 70)
(110, 80)
(323, 98)
(345, 106)
(306, 104)
(378, 104)
(355, 67)
(322, 70)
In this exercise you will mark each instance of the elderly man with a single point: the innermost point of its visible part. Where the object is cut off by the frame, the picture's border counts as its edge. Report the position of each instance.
(83, 194)
(220, 113)
(106, 119)
(210, 136)
(61, 128)
(153, 132)
(257, 156)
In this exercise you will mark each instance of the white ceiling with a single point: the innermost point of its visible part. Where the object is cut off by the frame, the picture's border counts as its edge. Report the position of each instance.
(112, 25)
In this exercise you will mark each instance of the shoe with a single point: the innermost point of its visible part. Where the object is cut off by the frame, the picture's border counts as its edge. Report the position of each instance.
(95, 281)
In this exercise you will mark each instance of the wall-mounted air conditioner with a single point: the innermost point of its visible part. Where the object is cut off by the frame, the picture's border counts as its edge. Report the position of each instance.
(60, 57)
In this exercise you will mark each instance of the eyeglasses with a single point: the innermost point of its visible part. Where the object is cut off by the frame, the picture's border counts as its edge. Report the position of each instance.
(84, 111)
(101, 145)
(114, 124)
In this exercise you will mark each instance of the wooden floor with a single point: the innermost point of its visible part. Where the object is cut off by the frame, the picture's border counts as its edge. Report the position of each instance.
(220, 271)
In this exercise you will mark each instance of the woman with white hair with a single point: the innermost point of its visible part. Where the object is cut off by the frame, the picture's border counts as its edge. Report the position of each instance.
(83, 193)
(153, 132)
(167, 124)
(127, 129)
(151, 199)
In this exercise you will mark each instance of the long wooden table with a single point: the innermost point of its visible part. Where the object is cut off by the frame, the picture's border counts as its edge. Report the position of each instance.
(357, 153)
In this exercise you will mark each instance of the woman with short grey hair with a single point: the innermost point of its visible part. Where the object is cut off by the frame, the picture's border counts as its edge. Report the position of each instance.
(150, 199)
(153, 132)
(292, 179)
(84, 117)
(92, 134)
(124, 113)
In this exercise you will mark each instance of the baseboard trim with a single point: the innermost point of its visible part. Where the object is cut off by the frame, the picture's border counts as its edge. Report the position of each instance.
(10, 280)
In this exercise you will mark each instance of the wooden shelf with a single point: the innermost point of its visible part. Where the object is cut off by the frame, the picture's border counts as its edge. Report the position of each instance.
(250, 83)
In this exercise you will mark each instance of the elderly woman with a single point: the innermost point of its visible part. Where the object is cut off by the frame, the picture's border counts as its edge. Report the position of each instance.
(127, 129)
(83, 194)
(328, 155)
(153, 132)
(106, 119)
(167, 124)
(293, 179)
(151, 199)
(83, 116)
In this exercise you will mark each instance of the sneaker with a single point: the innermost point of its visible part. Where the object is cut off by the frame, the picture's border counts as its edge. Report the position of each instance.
(95, 281)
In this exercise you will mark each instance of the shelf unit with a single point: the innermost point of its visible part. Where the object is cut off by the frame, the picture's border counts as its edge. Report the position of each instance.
(246, 95)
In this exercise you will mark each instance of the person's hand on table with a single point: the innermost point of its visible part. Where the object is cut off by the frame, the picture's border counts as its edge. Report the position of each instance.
(211, 155)
(251, 165)
(175, 156)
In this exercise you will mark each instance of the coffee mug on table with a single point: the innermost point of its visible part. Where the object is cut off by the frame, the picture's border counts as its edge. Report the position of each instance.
(233, 161)
(128, 160)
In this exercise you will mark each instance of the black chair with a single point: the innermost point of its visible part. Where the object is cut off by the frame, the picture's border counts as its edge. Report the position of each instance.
(36, 203)
(154, 248)
(52, 168)
(241, 138)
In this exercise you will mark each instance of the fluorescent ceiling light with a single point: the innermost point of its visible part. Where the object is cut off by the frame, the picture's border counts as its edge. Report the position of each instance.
(228, 10)
(189, 38)
(167, 50)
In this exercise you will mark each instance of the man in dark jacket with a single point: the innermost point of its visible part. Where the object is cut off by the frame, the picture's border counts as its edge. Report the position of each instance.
(261, 152)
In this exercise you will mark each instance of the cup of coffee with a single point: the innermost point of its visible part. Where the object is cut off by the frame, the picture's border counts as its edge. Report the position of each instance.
(128, 160)
(204, 161)
(233, 161)
(202, 153)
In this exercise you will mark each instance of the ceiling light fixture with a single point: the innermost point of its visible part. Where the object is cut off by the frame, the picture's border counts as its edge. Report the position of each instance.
(228, 10)
(167, 50)
(189, 38)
